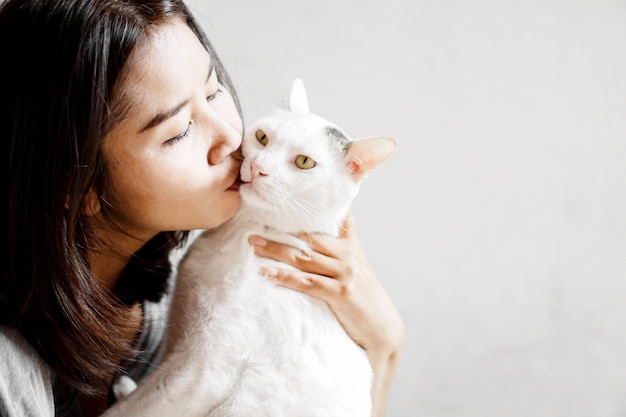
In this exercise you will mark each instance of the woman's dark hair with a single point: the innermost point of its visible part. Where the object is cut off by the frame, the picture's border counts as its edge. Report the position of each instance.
(62, 63)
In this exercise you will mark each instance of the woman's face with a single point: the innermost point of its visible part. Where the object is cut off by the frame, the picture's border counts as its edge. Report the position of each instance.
(171, 159)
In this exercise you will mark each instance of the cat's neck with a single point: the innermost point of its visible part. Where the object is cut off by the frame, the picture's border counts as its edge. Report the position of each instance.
(326, 223)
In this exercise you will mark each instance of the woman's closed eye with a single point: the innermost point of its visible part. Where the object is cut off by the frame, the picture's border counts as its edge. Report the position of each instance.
(214, 95)
(186, 133)
(180, 136)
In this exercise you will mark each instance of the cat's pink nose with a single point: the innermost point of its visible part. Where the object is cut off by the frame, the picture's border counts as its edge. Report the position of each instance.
(256, 171)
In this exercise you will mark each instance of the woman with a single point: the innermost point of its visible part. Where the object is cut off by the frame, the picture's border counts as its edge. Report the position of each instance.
(123, 129)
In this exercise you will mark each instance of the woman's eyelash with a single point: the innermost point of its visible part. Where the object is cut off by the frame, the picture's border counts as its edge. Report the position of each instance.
(212, 96)
(180, 136)
(186, 132)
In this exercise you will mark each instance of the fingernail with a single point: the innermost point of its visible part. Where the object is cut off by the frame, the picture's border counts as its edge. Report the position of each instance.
(257, 241)
(269, 271)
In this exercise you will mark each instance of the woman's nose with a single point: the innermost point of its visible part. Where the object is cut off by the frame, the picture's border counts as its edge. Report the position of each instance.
(225, 139)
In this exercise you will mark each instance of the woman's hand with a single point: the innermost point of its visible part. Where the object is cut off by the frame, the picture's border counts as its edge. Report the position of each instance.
(337, 271)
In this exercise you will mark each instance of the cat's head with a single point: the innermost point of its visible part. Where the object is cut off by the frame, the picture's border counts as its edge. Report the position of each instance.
(302, 172)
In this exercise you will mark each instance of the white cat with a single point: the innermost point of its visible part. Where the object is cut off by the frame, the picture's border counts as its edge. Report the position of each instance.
(244, 346)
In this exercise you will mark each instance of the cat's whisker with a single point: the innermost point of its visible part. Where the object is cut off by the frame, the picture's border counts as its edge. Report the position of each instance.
(308, 214)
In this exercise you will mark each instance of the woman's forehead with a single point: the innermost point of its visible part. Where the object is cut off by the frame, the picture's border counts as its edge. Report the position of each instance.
(163, 71)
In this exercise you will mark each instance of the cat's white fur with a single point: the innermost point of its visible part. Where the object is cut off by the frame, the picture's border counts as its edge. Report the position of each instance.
(239, 345)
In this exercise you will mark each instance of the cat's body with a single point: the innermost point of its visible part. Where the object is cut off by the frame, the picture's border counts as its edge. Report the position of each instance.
(272, 351)
(243, 345)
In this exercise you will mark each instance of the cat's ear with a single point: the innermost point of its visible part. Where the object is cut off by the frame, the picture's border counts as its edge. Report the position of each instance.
(364, 155)
(298, 100)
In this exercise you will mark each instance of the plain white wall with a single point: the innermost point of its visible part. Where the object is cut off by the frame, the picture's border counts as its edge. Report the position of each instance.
(499, 226)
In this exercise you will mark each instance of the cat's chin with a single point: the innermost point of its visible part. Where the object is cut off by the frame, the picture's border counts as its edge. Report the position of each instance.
(252, 198)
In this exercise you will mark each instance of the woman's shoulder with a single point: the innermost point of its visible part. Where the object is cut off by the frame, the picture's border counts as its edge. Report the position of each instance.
(25, 379)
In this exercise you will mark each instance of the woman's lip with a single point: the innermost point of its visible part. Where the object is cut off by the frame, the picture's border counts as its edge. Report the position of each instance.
(235, 185)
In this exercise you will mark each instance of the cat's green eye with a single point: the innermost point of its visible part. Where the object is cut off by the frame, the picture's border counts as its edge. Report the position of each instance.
(305, 162)
(261, 137)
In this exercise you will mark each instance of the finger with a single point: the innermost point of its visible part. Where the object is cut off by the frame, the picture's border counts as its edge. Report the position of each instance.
(328, 245)
(318, 286)
(321, 243)
(306, 260)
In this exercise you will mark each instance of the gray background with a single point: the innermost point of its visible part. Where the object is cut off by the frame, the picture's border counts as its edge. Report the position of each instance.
(499, 226)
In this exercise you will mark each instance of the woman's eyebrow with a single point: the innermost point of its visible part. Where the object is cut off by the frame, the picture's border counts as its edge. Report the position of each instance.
(161, 117)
